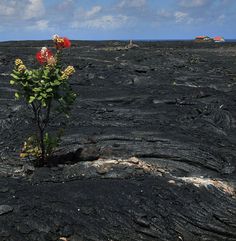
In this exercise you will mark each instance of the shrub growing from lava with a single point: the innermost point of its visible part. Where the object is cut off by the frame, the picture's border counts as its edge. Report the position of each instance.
(46, 91)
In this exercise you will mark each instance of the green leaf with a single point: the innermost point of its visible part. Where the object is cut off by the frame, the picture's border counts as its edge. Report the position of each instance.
(29, 77)
(25, 84)
(46, 138)
(44, 103)
(37, 89)
(49, 90)
(31, 99)
(12, 82)
(17, 95)
(46, 72)
(56, 82)
(15, 72)
(57, 71)
(43, 95)
(15, 76)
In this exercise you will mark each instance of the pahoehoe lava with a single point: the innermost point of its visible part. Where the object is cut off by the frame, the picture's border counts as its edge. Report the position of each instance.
(148, 152)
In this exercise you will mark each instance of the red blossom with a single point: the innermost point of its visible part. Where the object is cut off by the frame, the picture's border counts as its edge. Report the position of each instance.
(62, 42)
(67, 43)
(43, 55)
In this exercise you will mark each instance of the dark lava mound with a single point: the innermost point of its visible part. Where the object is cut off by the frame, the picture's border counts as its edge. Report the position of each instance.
(148, 154)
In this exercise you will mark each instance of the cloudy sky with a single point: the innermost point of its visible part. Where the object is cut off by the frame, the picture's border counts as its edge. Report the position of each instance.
(116, 19)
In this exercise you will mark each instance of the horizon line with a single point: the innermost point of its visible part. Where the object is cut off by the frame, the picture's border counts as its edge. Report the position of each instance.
(152, 39)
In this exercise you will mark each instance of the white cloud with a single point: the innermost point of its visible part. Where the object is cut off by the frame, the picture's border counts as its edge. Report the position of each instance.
(34, 9)
(177, 16)
(42, 24)
(81, 13)
(7, 11)
(96, 18)
(164, 14)
(65, 5)
(193, 3)
(221, 19)
(181, 17)
(103, 22)
(7, 8)
(132, 3)
(95, 10)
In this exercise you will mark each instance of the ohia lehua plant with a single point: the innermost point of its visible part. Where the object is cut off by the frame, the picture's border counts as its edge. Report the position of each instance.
(45, 90)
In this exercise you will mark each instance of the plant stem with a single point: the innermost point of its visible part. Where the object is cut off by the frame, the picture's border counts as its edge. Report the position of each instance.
(46, 121)
(42, 124)
(41, 132)
(42, 144)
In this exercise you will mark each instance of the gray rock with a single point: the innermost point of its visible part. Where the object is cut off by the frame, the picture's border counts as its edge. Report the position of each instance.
(5, 209)
(4, 189)
(142, 222)
(28, 169)
(24, 229)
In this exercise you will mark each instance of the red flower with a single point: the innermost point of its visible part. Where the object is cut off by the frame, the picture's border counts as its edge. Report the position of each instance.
(62, 42)
(43, 55)
(67, 43)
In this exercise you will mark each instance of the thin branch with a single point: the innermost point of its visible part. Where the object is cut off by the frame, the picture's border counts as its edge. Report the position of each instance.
(46, 121)
(34, 110)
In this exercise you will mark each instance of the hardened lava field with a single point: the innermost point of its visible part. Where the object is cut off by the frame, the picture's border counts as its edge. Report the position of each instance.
(148, 152)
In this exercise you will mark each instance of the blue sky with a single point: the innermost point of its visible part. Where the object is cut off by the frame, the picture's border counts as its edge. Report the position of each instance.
(116, 19)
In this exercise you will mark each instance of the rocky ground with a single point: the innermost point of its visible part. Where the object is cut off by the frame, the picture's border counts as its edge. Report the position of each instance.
(148, 152)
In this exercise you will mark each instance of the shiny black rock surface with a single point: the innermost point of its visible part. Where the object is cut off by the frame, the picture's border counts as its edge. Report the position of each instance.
(148, 152)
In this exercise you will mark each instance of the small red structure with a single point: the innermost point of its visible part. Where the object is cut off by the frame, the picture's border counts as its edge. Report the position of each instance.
(203, 39)
(219, 39)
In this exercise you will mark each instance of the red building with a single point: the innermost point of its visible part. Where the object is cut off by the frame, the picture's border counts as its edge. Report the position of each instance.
(219, 39)
(203, 39)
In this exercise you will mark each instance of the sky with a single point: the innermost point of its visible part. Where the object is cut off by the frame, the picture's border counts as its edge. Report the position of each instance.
(116, 19)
